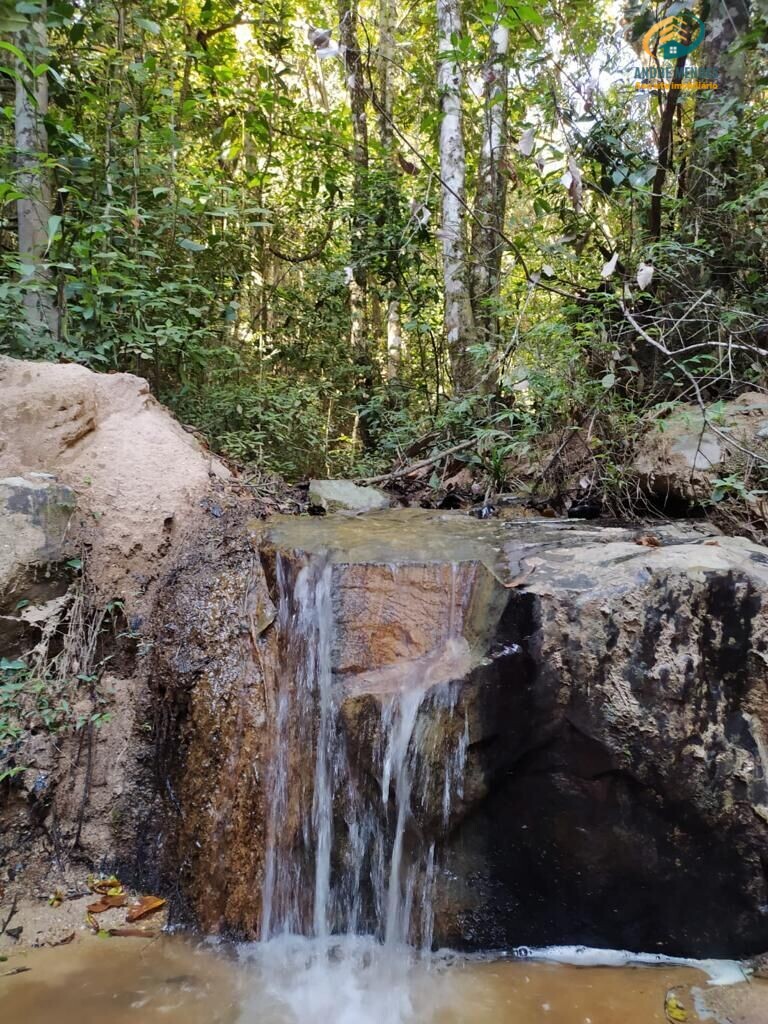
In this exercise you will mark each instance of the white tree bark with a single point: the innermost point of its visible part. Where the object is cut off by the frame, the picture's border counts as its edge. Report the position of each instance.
(354, 73)
(491, 192)
(31, 142)
(394, 341)
(385, 66)
(458, 322)
(384, 61)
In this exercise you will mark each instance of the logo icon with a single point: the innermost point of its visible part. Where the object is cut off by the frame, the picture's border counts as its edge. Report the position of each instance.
(677, 35)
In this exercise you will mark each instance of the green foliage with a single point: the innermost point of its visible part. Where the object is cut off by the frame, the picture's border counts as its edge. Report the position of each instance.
(208, 214)
(30, 704)
(272, 422)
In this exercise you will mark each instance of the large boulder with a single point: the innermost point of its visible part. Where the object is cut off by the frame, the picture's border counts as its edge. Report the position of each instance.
(626, 805)
(591, 760)
(693, 455)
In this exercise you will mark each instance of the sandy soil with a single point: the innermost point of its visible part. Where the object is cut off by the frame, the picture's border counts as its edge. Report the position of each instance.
(44, 925)
(138, 475)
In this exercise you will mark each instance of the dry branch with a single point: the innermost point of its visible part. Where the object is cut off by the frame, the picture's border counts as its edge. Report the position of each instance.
(414, 467)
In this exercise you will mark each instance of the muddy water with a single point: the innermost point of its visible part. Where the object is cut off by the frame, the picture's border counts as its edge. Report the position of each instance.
(132, 981)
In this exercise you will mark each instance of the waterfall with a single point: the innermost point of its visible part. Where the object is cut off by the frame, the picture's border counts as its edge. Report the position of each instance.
(345, 856)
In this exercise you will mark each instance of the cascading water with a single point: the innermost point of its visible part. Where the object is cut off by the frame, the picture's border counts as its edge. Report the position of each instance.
(349, 876)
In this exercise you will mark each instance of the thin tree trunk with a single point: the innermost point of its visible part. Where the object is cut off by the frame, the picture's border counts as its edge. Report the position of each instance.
(664, 161)
(384, 60)
(385, 67)
(358, 277)
(457, 320)
(31, 143)
(491, 192)
(712, 168)
(394, 341)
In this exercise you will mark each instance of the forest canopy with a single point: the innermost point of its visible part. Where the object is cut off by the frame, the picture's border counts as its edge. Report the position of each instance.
(332, 234)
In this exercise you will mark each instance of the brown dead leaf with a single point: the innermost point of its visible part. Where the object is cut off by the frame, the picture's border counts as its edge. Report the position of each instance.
(16, 970)
(65, 941)
(648, 540)
(137, 933)
(146, 905)
(712, 543)
(91, 921)
(107, 903)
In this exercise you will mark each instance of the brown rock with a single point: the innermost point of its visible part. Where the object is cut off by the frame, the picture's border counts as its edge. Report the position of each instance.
(615, 790)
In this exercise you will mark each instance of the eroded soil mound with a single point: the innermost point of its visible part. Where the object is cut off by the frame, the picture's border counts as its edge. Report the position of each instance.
(138, 475)
(100, 487)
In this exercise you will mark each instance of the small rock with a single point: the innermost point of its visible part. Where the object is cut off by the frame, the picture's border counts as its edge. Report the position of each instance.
(343, 495)
(587, 508)
(484, 512)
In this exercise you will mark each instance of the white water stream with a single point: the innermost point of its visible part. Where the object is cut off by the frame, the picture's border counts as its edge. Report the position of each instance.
(347, 902)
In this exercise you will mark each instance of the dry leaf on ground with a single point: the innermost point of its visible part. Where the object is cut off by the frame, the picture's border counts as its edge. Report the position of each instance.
(107, 903)
(146, 905)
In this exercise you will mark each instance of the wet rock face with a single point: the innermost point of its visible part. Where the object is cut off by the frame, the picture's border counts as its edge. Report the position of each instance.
(636, 816)
(615, 700)
(211, 738)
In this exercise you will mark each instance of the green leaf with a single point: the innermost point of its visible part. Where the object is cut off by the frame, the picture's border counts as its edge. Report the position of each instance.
(15, 51)
(8, 192)
(54, 223)
(148, 26)
(11, 666)
(190, 246)
(608, 381)
(75, 563)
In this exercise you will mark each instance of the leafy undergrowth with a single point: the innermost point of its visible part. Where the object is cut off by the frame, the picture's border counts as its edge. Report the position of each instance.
(54, 688)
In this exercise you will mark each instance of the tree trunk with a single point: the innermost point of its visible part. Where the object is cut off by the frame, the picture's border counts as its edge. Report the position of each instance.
(491, 192)
(394, 342)
(385, 67)
(712, 167)
(357, 100)
(31, 143)
(384, 60)
(664, 162)
(458, 322)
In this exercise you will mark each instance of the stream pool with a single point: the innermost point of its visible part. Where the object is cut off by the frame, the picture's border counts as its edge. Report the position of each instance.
(175, 981)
